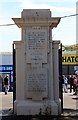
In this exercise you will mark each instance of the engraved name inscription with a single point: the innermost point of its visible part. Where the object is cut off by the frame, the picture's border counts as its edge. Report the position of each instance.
(37, 82)
(36, 45)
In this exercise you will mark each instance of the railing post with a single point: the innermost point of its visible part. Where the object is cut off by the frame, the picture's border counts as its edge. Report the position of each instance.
(60, 77)
(14, 76)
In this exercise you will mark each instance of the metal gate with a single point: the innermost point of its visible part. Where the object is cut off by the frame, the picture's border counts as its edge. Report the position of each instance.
(60, 77)
(14, 75)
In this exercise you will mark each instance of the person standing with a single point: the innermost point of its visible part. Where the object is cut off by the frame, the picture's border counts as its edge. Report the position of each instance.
(74, 85)
(71, 83)
(65, 84)
(6, 84)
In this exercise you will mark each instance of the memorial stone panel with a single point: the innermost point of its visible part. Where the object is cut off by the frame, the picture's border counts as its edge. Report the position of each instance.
(36, 56)
(37, 84)
(36, 45)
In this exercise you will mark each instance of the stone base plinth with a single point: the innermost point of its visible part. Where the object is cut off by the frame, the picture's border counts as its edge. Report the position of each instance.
(36, 107)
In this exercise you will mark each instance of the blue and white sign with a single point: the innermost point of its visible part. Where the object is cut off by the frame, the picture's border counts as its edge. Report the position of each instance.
(6, 68)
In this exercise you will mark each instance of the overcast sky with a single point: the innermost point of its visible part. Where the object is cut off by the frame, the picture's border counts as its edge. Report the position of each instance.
(65, 31)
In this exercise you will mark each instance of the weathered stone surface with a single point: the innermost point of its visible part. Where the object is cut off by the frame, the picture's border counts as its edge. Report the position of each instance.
(36, 45)
(37, 83)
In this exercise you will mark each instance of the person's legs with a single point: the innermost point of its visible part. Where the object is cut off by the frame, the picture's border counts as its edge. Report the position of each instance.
(6, 89)
(70, 88)
(75, 88)
(65, 88)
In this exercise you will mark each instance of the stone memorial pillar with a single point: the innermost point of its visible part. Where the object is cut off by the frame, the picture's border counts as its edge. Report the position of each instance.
(37, 84)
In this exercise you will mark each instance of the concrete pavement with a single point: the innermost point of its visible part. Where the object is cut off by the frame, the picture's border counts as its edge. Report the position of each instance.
(70, 101)
(6, 100)
(6, 103)
(70, 104)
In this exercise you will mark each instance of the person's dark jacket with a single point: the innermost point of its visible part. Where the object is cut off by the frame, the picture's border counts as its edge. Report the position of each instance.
(6, 81)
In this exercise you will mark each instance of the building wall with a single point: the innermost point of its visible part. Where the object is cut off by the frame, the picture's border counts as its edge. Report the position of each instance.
(6, 68)
(68, 69)
(6, 58)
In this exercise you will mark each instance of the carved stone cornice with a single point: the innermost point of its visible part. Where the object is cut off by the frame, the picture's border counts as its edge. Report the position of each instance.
(37, 22)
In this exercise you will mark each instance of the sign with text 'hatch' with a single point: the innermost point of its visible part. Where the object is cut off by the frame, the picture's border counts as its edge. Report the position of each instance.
(70, 59)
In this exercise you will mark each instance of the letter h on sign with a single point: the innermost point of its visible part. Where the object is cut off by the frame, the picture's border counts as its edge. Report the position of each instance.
(63, 59)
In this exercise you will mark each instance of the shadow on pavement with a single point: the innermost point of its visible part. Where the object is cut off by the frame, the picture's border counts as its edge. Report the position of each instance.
(39, 118)
(68, 114)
